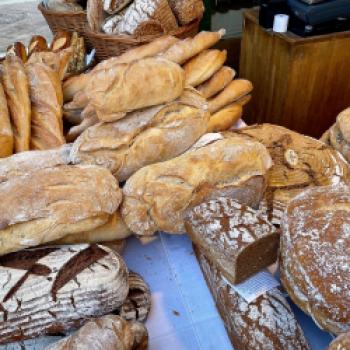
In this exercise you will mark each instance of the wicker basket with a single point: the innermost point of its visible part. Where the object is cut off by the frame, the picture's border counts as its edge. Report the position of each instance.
(107, 45)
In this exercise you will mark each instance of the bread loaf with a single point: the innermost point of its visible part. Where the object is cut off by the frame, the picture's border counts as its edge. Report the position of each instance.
(337, 141)
(267, 323)
(114, 229)
(232, 92)
(95, 14)
(157, 196)
(342, 342)
(47, 101)
(87, 121)
(203, 66)
(187, 11)
(126, 87)
(49, 290)
(217, 82)
(47, 204)
(234, 236)
(190, 47)
(225, 118)
(315, 261)
(18, 49)
(114, 6)
(73, 85)
(37, 43)
(143, 137)
(16, 88)
(6, 134)
(299, 162)
(60, 41)
(343, 122)
(63, 5)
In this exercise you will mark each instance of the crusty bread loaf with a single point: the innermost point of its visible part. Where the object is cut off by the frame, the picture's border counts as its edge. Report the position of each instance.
(187, 11)
(157, 196)
(315, 261)
(337, 141)
(217, 82)
(107, 333)
(114, 6)
(127, 87)
(343, 123)
(267, 323)
(225, 118)
(18, 49)
(203, 66)
(47, 204)
(183, 50)
(47, 101)
(6, 134)
(232, 92)
(16, 88)
(87, 121)
(95, 14)
(53, 289)
(234, 236)
(299, 162)
(114, 229)
(143, 137)
(342, 342)
(74, 84)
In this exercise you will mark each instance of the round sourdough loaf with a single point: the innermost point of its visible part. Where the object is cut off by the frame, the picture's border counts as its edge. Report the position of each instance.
(315, 259)
(299, 162)
(341, 343)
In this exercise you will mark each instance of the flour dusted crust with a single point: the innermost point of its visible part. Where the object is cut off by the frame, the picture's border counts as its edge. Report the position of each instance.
(268, 323)
(108, 333)
(49, 290)
(299, 162)
(143, 137)
(315, 263)
(236, 237)
(50, 203)
(157, 196)
(342, 342)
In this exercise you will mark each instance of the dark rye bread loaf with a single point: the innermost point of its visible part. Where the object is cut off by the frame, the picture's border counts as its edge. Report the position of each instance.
(267, 323)
(49, 290)
(234, 236)
(315, 260)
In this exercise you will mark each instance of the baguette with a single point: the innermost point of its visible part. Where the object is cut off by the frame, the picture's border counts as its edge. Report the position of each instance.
(86, 122)
(234, 91)
(225, 118)
(244, 100)
(45, 205)
(60, 41)
(16, 88)
(37, 44)
(203, 66)
(6, 134)
(157, 197)
(190, 47)
(217, 82)
(19, 50)
(73, 85)
(143, 137)
(47, 100)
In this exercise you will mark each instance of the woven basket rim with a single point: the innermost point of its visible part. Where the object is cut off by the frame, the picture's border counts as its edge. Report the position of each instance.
(140, 39)
(60, 13)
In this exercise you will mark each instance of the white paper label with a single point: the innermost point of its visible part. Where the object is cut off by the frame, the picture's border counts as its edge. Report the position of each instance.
(255, 286)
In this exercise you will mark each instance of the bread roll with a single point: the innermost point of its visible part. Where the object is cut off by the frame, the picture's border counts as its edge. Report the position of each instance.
(16, 88)
(234, 236)
(157, 196)
(203, 66)
(343, 123)
(107, 333)
(225, 118)
(342, 342)
(315, 261)
(6, 134)
(47, 100)
(47, 204)
(54, 289)
(114, 229)
(299, 162)
(267, 323)
(234, 91)
(217, 82)
(126, 87)
(190, 47)
(141, 138)
(187, 11)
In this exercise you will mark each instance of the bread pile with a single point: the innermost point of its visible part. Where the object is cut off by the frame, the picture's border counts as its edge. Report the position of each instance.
(142, 17)
(64, 5)
(338, 136)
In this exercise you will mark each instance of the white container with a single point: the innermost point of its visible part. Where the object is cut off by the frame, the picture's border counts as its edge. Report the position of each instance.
(280, 23)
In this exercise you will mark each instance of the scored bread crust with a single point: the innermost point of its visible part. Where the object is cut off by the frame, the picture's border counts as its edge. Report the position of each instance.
(157, 196)
(315, 264)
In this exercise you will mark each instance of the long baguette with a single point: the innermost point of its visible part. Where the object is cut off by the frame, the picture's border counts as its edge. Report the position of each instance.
(225, 118)
(202, 67)
(234, 91)
(6, 134)
(188, 48)
(217, 82)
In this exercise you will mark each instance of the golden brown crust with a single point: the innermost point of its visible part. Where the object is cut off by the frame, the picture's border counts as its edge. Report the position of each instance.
(37, 44)
(225, 118)
(60, 41)
(18, 49)
(16, 88)
(342, 342)
(95, 14)
(187, 11)
(6, 134)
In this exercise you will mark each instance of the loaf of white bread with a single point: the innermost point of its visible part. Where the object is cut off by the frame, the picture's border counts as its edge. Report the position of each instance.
(157, 196)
